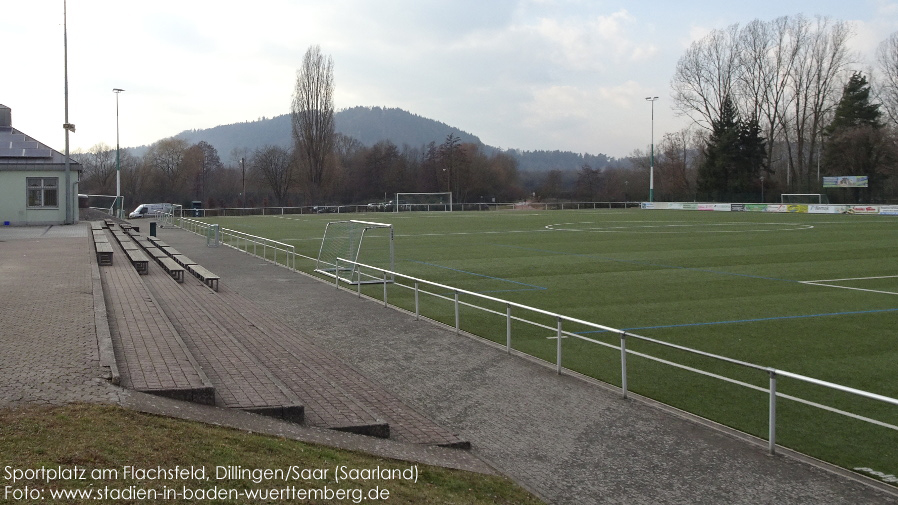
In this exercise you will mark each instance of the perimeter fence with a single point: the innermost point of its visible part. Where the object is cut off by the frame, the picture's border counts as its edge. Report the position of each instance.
(561, 328)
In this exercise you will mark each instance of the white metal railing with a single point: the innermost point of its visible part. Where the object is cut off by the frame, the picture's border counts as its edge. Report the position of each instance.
(271, 250)
(255, 245)
(772, 373)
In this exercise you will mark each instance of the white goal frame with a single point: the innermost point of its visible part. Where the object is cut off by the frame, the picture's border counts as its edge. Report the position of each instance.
(820, 198)
(397, 203)
(344, 240)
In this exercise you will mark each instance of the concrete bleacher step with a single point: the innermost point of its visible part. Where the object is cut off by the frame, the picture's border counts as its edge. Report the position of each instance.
(330, 388)
(240, 381)
(150, 354)
(300, 368)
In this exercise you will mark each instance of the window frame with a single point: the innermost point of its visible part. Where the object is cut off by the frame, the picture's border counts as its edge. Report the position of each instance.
(42, 187)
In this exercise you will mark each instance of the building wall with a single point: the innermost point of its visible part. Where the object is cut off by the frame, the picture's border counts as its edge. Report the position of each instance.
(14, 199)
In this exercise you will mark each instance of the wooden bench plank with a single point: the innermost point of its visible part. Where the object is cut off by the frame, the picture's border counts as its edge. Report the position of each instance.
(172, 268)
(104, 253)
(156, 253)
(171, 251)
(205, 275)
(184, 261)
(140, 262)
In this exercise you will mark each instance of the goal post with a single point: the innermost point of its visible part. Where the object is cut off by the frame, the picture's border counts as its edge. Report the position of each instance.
(359, 242)
(405, 202)
(805, 198)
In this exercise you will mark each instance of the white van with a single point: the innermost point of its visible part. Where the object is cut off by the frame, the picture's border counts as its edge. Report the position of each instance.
(149, 210)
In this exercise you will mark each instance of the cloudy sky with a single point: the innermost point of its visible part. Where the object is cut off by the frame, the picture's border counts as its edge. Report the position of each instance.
(527, 74)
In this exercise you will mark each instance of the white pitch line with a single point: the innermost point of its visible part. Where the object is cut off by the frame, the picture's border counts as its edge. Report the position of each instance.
(849, 287)
(855, 279)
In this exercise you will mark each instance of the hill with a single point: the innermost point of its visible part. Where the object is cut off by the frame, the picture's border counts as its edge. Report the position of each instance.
(370, 125)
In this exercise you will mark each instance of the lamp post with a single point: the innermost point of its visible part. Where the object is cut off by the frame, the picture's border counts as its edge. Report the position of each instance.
(118, 162)
(243, 171)
(652, 162)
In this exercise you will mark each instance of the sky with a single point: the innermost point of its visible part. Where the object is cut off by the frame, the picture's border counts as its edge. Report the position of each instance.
(567, 75)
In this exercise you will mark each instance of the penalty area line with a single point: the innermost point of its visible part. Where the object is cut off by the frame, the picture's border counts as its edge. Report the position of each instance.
(823, 284)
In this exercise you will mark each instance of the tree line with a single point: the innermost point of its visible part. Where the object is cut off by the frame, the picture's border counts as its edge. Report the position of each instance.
(778, 105)
(774, 107)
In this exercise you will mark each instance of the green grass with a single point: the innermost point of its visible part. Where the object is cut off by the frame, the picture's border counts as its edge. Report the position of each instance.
(733, 284)
(97, 438)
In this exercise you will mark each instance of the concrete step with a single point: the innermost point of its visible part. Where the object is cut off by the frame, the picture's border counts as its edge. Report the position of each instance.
(150, 354)
(240, 381)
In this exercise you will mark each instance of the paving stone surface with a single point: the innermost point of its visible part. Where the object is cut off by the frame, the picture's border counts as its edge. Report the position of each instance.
(48, 346)
(567, 439)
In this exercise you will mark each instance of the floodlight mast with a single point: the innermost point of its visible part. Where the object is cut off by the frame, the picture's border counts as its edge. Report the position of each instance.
(652, 162)
(118, 162)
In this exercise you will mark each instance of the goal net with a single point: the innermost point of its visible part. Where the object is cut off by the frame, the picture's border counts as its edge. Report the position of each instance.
(358, 242)
(405, 202)
(808, 198)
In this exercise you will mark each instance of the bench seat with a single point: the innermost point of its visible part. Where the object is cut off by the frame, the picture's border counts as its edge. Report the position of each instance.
(184, 261)
(139, 260)
(171, 251)
(206, 276)
(172, 268)
(104, 252)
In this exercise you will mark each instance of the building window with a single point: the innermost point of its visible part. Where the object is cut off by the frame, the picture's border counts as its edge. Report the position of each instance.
(43, 192)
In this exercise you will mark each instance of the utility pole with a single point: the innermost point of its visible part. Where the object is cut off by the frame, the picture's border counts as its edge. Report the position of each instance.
(652, 162)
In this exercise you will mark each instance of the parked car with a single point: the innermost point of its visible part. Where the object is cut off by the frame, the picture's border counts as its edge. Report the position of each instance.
(145, 209)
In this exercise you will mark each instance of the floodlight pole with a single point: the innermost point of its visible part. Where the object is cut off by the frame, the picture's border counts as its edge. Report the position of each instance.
(67, 126)
(652, 162)
(118, 161)
(243, 171)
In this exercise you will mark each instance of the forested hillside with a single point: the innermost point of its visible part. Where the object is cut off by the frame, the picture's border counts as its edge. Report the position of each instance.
(370, 125)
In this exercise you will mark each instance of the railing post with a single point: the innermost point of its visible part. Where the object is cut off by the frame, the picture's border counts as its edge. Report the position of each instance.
(385, 287)
(508, 328)
(623, 363)
(558, 349)
(457, 321)
(337, 274)
(771, 436)
(358, 286)
(417, 307)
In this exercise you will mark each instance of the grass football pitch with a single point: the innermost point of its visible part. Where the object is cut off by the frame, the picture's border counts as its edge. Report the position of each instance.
(815, 295)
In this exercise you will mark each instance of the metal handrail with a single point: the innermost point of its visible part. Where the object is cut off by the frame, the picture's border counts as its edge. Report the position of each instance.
(772, 373)
(245, 239)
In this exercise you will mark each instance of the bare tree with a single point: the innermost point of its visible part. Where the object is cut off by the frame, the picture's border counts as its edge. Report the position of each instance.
(313, 114)
(786, 74)
(887, 60)
(816, 79)
(705, 75)
(272, 165)
(769, 52)
(99, 169)
(165, 159)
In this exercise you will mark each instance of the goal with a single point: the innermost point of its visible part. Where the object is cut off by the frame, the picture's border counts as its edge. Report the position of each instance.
(405, 202)
(359, 242)
(807, 198)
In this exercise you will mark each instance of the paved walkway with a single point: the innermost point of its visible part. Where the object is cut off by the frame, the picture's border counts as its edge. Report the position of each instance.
(569, 440)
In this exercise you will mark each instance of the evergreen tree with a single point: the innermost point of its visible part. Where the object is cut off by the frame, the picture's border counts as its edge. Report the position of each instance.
(734, 157)
(854, 109)
(856, 142)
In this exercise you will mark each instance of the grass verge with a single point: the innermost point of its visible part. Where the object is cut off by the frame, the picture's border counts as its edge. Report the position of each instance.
(82, 454)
